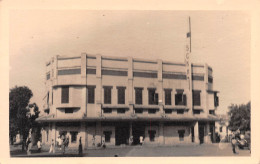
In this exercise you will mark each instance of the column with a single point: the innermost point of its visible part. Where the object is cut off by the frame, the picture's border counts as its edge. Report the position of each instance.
(55, 70)
(130, 132)
(196, 132)
(130, 80)
(98, 136)
(204, 93)
(53, 133)
(83, 68)
(214, 135)
(83, 135)
(84, 101)
(161, 137)
(98, 87)
(207, 133)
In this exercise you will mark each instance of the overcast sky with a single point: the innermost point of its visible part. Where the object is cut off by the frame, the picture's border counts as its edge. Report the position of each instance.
(219, 38)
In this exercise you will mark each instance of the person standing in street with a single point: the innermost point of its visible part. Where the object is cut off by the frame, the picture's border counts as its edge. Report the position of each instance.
(80, 148)
(52, 148)
(39, 146)
(141, 140)
(29, 147)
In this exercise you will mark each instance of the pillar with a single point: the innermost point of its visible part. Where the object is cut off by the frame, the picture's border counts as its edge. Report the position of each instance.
(84, 101)
(98, 87)
(130, 81)
(98, 137)
(53, 133)
(83, 135)
(196, 132)
(161, 137)
(214, 135)
(207, 133)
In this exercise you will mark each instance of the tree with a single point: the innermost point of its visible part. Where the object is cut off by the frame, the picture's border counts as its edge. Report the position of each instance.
(20, 118)
(240, 116)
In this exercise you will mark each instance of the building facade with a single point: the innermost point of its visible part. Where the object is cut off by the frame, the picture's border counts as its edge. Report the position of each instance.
(113, 99)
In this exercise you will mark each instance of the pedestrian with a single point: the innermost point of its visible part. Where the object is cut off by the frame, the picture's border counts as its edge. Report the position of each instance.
(39, 146)
(141, 140)
(59, 141)
(131, 140)
(29, 146)
(63, 144)
(80, 147)
(52, 148)
(234, 143)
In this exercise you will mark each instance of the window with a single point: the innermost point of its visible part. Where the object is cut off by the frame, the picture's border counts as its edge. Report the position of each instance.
(74, 136)
(212, 112)
(107, 110)
(168, 96)
(151, 111)
(196, 111)
(181, 135)
(196, 98)
(48, 97)
(168, 111)
(121, 110)
(91, 94)
(180, 111)
(107, 135)
(68, 110)
(151, 135)
(48, 76)
(47, 135)
(220, 129)
(65, 94)
(216, 100)
(52, 97)
(138, 110)
(138, 96)
(180, 98)
(107, 94)
(47, 111)
(121, 95)
(153, 97)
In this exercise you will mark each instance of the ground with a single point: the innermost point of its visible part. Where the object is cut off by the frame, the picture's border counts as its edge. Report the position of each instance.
(222, 149)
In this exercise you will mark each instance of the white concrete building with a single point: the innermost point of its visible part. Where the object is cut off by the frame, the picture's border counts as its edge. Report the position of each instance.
(113, 98)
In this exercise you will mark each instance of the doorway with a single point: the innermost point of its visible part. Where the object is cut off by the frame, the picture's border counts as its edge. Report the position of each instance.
(122, 133)
(201, 133)
(138, 130)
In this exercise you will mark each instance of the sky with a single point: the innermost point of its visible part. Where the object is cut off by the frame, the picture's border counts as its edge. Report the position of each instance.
(219, 38)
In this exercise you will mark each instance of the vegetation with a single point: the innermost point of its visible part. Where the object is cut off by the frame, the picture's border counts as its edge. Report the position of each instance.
(21, 117)
(240, 116)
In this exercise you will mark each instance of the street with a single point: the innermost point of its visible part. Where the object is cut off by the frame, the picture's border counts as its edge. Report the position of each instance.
(207, 150)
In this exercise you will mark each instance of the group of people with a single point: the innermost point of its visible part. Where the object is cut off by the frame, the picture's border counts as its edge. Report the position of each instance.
(29, 145)
(62, 143)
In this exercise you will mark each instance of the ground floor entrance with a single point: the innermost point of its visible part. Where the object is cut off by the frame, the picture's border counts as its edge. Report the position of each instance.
(122, 133)
(94, 134)
(138, 129)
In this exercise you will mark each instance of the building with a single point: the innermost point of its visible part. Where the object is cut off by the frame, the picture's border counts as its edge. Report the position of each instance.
(113, 99)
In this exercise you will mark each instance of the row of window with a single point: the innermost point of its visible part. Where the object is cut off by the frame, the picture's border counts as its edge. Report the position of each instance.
(140, 111)
(153, 98)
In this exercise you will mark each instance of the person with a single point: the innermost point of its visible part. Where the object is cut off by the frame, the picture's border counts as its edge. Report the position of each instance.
(52, 149)
(39, 146)
(80, 147)
(141, 140)
(234, 141)
(131, 140)
(65, 143)
(59, 141)
(29, 146)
